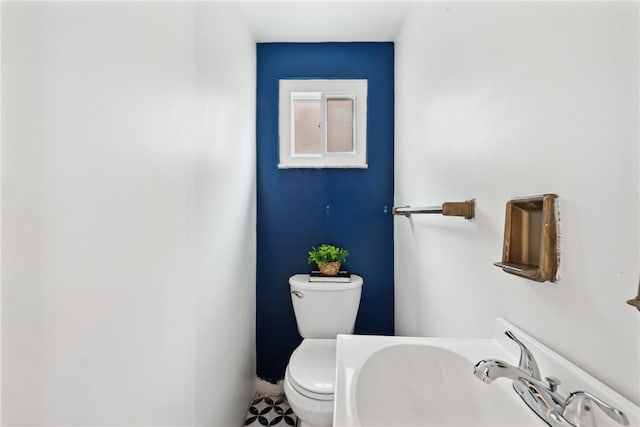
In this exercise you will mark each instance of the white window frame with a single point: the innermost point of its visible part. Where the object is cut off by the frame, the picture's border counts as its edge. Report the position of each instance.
(290, 90)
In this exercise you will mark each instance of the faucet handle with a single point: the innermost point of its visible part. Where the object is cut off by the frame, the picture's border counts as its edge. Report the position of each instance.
(527, 361)
(578, 410)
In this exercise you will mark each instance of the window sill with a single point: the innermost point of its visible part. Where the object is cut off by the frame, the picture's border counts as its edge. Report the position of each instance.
(322, 166)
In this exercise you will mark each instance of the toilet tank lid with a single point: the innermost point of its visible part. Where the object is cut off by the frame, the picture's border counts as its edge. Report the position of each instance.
(301, 282)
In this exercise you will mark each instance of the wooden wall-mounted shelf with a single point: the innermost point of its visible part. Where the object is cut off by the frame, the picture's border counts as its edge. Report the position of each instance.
(531, 238)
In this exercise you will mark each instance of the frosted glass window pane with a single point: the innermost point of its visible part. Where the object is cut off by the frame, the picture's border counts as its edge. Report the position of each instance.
(339, 125)
(307, 136)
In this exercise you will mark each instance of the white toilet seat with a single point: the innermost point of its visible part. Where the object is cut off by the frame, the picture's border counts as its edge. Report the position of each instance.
(309, 381)
(306, 392)
(312, 368)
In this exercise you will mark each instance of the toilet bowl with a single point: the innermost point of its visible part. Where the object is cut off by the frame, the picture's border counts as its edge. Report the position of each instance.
(323, 310)
(309, 381)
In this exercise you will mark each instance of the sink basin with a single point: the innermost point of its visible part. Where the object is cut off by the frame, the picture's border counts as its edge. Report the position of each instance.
(423, 385)
(415, 381)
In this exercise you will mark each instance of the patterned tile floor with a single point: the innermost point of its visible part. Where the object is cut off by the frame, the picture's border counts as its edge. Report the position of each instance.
(270, 411)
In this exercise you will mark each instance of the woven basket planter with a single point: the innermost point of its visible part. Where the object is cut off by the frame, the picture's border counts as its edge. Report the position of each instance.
(330, 268)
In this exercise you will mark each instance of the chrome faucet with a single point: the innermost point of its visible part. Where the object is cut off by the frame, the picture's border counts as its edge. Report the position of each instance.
(542, 396)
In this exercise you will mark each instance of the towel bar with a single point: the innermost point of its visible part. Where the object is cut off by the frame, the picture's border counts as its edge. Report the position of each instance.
(465, 209)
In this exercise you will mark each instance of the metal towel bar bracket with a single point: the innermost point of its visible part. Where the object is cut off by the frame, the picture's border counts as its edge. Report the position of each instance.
(635, 301)
(465, 209)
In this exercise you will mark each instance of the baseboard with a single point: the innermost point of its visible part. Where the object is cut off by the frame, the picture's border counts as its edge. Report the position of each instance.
(266, 388)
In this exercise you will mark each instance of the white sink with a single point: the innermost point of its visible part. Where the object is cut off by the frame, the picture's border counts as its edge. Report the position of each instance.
(408, 381)
(413, 384)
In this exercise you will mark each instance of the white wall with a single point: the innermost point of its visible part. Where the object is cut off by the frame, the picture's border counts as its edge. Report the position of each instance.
(498, 100)
(128, 214)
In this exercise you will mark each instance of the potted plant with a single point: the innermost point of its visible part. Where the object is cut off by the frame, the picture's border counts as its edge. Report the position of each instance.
(328, 258)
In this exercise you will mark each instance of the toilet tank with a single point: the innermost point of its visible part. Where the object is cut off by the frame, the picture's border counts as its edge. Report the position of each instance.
(325, 309)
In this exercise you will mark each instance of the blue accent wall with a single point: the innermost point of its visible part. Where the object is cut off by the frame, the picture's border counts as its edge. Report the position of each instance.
(301, 208)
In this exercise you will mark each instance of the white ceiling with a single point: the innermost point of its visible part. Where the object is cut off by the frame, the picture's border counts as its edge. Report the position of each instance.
(324, 21)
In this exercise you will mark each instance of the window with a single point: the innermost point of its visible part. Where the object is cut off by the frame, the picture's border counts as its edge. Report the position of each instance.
(322, 124)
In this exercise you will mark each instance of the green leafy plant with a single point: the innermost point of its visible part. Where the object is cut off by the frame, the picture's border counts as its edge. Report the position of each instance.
(327, 253)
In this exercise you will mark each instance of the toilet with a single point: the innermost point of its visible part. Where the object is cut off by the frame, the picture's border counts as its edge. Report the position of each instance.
(323, 310)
